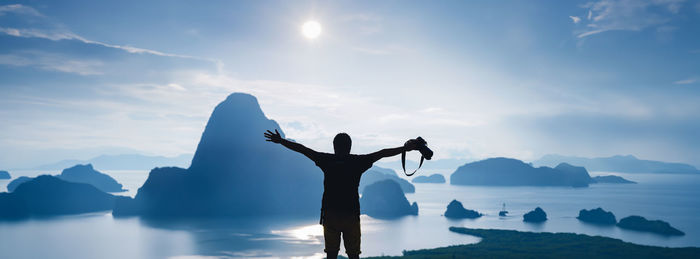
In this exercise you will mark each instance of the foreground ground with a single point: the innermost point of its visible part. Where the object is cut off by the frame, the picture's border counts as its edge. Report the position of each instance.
(516, 244)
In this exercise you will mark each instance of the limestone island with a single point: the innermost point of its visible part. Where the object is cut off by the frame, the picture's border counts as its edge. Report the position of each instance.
(376, 174)
(639, 223)
(597, 216)
(16, 182)
(384, 199)
(502, 171)
(536, 216)
(434, 178)
(455, 210)
(87, 174)
(512, 172)
(79, 174)
(234, 172)
(48, 195)
(612, 179)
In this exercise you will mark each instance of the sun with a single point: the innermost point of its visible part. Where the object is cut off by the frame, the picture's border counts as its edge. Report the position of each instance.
(311, 29)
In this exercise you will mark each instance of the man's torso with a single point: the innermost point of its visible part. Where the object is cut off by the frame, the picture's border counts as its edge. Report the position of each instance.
(341, 179)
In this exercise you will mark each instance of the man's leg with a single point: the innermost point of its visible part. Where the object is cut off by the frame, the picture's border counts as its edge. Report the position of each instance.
(351, 237)
(332, 237)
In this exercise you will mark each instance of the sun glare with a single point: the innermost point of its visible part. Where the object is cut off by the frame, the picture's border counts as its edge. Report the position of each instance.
(311, 29)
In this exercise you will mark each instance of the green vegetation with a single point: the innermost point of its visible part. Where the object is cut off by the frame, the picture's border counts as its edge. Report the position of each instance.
(516, 244)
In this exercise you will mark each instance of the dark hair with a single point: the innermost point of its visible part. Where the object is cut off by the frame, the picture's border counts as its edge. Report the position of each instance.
(342, 144)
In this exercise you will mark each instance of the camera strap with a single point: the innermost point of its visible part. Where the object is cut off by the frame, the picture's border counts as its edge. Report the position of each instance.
(403, 163)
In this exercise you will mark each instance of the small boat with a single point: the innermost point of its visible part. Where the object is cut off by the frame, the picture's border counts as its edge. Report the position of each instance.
(503, 211)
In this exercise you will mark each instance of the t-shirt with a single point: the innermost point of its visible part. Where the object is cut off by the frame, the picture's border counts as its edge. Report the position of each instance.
(341, 179)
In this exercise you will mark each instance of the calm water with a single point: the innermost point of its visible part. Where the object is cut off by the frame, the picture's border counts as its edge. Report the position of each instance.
(673, 198)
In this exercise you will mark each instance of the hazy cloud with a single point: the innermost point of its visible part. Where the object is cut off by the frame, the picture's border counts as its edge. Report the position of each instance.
(575, 19)
(52, 62)
(630, 15)
(48, 30)
(686, 81)
(18, 9)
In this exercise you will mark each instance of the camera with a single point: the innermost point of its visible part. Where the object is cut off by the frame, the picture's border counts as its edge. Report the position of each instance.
(422, 147)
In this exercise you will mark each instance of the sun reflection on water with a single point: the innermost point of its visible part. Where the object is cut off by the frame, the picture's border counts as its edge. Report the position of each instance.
(309, 234)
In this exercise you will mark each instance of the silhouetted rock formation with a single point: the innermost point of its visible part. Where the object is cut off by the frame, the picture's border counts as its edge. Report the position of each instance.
(639, 223)
(161, 194)
(611, 179)
(5, 175)
(87, 174)
(49, 195)
(434, 178)
(597, 216)
(376, 174)
(79, 174)
(536, 216)
(512, 172)
(623, 164)
(384, 199)
(455, 210)
(234, 172)
(383, 170)
(16, 182)
(12, 207)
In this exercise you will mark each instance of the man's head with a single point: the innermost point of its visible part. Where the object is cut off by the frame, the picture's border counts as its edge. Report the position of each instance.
(342, 144)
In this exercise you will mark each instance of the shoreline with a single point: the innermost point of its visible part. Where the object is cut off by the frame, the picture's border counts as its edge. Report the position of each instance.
(496, 243)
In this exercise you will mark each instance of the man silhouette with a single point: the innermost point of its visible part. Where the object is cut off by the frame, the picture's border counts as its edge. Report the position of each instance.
(340, 207)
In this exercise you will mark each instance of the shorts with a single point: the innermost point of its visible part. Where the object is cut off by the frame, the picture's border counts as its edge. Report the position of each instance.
(335, 223)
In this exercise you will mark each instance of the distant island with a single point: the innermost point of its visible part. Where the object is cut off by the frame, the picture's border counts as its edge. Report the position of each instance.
(49, 195)
(123, 162)
(234, 172)
(640, 223)
(384, 199)
(597, 216)
(516, 244)
(376, 174)
(455, 210)
(502, 171)
(612, 179)
(88, 174)
(512, 172)
(79, 174)
(5, 175)
(16, 182)
(535, 216)
(622, 164)
(434, 178)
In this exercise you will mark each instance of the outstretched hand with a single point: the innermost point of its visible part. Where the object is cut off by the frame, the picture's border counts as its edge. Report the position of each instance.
(273, 137)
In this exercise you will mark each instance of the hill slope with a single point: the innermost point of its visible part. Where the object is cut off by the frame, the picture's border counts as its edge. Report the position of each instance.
(234, 172)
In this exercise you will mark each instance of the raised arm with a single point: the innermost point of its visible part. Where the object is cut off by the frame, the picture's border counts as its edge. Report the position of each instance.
(389, 152)
(277, 138)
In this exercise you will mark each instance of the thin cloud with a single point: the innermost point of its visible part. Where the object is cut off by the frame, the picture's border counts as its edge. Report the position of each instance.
(609, 15)
(56, 33)
(19, 9)
(52, 62)
(686, 81)
(575, 19)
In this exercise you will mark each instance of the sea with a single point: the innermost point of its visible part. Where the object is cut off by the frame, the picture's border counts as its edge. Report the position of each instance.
(674, 198)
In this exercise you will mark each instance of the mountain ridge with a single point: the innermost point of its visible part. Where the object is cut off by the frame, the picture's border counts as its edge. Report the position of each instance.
(619, 163)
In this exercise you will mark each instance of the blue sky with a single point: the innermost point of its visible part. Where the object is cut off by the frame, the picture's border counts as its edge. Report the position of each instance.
(475, 78)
